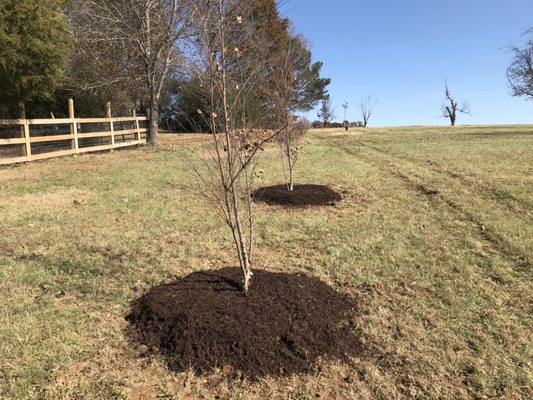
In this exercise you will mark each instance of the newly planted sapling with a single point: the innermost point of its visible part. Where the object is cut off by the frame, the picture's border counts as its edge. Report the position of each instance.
(226, 176)
(291, 142)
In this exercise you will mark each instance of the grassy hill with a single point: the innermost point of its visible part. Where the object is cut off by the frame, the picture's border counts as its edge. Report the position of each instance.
(433, 238)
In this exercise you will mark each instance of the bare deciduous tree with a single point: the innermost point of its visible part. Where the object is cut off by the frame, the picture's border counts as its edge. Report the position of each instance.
(367, 109)
(131, 42)
(326, 112)
(291, 145)
(285, 96)
(520, 72)
(226, 177)
(451, 106)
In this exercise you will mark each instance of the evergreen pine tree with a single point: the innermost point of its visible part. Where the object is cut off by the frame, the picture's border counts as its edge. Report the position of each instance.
(34, 47)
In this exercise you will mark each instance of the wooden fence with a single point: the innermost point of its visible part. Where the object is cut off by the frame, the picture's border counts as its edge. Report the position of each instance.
(23, 140)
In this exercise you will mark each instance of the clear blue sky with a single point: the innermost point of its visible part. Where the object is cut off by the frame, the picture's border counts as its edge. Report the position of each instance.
(400, 51)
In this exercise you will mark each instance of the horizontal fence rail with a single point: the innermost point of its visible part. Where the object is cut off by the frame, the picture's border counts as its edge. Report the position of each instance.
(23, 140)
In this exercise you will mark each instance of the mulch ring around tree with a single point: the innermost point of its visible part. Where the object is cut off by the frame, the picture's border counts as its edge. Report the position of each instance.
(286, 324)
(300, 196)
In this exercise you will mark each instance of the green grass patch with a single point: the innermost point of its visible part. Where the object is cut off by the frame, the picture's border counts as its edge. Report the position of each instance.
(433, 237)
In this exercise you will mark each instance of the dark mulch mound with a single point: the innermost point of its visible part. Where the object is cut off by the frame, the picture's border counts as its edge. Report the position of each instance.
(285, 324)
(302, 195)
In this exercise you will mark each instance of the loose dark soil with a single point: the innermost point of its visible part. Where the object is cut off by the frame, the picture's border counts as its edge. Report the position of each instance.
(301, 196)
(284, 326)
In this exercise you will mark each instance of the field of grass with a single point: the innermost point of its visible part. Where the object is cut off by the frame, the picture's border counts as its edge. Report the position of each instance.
(433, 238)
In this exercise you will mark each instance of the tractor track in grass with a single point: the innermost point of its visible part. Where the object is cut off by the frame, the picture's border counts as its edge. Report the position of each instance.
(437, 199)
(510, 202)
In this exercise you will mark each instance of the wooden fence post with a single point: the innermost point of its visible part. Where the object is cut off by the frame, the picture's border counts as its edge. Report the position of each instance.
(27, 143)
(111, 125)
(137, 126)
(73, 126)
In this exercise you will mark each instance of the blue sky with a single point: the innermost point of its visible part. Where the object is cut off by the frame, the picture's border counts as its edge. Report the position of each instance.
(401, 51)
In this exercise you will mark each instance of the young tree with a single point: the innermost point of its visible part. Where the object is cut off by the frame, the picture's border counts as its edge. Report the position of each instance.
(34, 46)
(326, 113)
(451, 107)
(129, 43)
(520, 72)
(367, 109)
(289, 91)
(221, 65)
(291, 145)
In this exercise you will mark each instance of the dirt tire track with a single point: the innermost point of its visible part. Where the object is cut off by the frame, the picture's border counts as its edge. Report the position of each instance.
(511, 203)
(498, 242)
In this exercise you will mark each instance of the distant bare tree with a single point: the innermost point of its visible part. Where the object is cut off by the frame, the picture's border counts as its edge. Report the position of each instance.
(520, 72)
(451, 107)
(129, 42)
(367, 109)
(326, 112)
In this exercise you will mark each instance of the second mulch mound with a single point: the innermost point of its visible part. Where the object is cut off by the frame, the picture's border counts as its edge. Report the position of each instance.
(301, 196)
(284, 326)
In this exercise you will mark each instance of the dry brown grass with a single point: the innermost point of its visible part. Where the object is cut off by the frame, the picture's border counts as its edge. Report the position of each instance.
(443, 280)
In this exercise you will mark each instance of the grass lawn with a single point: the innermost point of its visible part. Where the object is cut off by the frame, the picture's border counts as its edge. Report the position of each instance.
(433, 238)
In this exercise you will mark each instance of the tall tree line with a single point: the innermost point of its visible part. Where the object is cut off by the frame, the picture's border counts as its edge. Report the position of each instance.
(143, 55)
